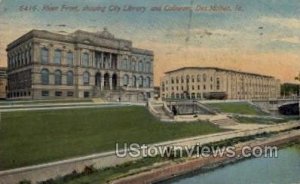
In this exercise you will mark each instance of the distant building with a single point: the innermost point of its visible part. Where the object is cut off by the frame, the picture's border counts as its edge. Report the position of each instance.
(156, 91)
(42, 64)
(217, 83)
(3, 83)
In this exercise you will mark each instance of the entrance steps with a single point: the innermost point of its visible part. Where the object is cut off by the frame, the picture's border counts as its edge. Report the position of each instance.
(99, 100)
(223, 121)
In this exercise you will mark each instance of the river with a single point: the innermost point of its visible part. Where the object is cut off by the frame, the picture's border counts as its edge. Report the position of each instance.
(282, 170)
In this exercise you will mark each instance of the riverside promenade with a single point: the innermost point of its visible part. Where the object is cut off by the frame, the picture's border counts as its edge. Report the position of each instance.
(170, 171)
(46, 171)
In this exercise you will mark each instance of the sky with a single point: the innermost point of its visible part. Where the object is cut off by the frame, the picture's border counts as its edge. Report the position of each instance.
(259, 36)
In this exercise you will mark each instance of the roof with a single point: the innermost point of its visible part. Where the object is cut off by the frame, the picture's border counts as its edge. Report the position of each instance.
(217, 69)
(101, 39)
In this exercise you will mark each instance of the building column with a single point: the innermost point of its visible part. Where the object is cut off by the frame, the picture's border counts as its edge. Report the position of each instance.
(110, 61)
(102, 81)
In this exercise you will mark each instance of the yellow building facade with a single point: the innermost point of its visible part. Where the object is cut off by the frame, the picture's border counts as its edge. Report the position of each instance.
(217, 83)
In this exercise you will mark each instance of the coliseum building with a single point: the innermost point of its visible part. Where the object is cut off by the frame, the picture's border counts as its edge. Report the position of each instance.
(82, 64)
(217, 83)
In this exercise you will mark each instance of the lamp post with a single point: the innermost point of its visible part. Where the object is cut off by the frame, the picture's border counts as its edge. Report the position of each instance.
(298, 79)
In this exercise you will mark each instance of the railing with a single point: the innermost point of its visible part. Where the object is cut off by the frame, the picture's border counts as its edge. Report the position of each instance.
(168, 110)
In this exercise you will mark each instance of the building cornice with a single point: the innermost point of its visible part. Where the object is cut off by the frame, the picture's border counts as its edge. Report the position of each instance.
(218, 69)
(100, 39)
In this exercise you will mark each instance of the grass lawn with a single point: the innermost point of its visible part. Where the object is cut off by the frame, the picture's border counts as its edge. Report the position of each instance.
(33, 137)
(236, 107)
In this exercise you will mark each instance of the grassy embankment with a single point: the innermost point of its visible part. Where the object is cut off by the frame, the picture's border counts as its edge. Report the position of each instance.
(28, 138)
(237, 108)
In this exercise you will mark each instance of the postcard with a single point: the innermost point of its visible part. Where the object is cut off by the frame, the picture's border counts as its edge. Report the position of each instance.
(131, 91)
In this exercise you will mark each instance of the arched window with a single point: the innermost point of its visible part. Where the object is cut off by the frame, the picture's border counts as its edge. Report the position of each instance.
(70, 78)
(85, 59)
(58, 77)
(182, 79)
(44, 55)
(133, 63)
(141, 81)
(198, 78)
(45, 77)
(187, 79)
(70, 58)
(134, 82)
(204, 77)
(125, 80)
(128, 65)
(148, 82)
(57, 56)
(86, 78)
(141, 66)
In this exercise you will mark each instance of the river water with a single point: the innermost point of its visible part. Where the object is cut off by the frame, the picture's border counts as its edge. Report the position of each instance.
(282, 170)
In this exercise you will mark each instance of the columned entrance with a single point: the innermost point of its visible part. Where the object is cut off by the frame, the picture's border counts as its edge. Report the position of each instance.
(98, 79)
(106, 81)
(114, 81)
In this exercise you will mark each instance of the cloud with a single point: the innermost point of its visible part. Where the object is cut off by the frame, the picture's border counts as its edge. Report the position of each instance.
(292, 39)
(291, 23)
(204, 32)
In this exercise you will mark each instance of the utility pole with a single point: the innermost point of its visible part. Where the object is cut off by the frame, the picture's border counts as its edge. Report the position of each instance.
(298, 79)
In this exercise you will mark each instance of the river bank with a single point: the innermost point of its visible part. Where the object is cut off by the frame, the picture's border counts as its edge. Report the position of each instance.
(283, 169)
(189, 165)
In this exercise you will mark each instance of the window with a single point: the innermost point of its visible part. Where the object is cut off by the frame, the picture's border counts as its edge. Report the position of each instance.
(134, 83)
(58, 77)
(70, 58)
(125, 80)
(44, 55)
(148, 82)
(70, 93)
(133, 67)
(187, 79)
(85, 59)
(204, 77)
(86, 78)
(70, 78)
(45, 77)
(141, 66)
(148, 67)
(127, 65)
(45, 93)
(58, 93)
(198, 78)
(218, 83)
(141, 81)
(57, 56)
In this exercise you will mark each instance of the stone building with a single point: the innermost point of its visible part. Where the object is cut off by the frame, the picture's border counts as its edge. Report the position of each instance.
(217, 83)
(82, 64)
(3, 83)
